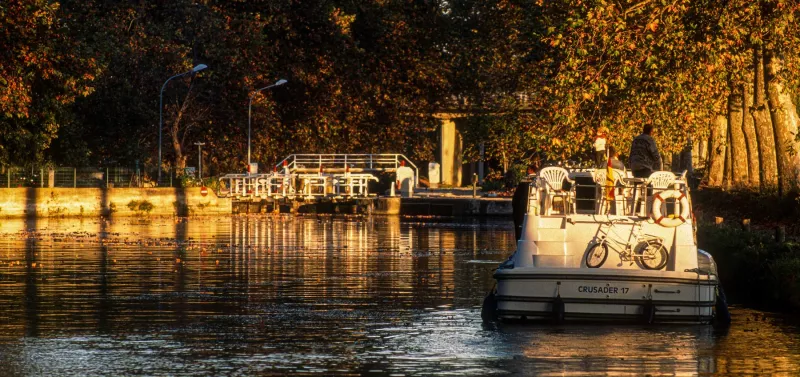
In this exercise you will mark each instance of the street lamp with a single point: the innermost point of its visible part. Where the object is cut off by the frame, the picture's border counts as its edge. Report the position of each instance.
(200, 160)
(249, 113)
(196, 69)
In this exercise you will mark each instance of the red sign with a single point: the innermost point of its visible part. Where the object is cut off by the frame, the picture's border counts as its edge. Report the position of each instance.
(203, 191)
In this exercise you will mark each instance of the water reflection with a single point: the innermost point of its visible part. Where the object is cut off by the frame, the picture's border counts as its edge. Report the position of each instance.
(283, 294)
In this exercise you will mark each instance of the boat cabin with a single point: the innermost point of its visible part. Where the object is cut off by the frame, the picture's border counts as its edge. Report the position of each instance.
(571, 211)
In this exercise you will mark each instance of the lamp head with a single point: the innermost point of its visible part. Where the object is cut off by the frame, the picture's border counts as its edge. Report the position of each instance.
(281, 82)
(199, 68)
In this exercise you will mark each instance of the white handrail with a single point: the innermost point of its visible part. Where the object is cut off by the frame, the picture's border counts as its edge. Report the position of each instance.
(367, 162)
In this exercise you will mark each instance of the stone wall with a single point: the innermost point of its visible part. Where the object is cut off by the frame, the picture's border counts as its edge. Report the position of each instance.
(456, 207)
(56, 202)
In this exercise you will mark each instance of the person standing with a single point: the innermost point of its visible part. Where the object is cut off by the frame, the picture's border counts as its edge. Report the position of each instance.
(613, 157)
(644, 157)
(600, 147)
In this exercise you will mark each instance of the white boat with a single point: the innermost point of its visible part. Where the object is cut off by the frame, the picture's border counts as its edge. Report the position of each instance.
(632, 257)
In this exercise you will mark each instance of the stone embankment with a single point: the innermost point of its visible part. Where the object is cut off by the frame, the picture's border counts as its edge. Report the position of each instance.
(71, 202)
(93, 202)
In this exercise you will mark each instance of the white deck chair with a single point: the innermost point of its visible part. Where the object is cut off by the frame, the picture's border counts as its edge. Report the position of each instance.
(552, 180)
(660, 181)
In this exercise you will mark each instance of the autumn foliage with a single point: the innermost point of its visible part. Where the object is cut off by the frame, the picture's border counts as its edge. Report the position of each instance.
(80, 80)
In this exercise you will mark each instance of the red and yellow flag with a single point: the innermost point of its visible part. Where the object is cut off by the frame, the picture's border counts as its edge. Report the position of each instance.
(610, 183)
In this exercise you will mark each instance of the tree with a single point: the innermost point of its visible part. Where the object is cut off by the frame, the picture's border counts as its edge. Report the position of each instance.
(784, 118)
(751, 139)
(717, 150)
(505, 138)
(42, 71)
(738, 150)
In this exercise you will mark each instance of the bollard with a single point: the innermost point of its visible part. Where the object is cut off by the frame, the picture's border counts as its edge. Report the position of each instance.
(718, 220)
(780, 234)
(746, 225)
(474, 184)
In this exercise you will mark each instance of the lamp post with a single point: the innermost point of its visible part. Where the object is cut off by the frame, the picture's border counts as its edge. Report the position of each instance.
(200, 160)
(249, 113)
(196, 69)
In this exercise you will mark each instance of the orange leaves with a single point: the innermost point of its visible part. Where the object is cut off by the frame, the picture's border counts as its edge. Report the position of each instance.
(342, 20)
(653, 26)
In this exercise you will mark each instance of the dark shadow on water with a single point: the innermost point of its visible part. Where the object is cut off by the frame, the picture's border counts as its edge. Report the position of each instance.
(104, 303)
(31, 276)
(181, 203)
(181, 257)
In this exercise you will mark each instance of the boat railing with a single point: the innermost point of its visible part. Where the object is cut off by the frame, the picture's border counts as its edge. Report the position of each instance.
(582, 193)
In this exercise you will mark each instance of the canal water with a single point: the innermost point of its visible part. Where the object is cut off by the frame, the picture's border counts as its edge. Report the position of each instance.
(290, 295)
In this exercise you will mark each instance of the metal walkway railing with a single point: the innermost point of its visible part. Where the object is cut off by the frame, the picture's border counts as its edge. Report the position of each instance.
(340, 163)
(320, 175)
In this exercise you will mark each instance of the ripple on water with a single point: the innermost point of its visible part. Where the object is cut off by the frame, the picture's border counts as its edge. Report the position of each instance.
(305, 295)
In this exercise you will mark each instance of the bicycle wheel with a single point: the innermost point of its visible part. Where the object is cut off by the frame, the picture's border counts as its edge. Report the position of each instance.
(654, 256)
(597, 255)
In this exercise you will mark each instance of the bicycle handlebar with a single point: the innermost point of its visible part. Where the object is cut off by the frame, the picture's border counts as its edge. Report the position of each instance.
(624, 221)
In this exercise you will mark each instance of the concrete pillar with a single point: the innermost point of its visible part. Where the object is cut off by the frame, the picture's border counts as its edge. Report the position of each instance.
(450, 145)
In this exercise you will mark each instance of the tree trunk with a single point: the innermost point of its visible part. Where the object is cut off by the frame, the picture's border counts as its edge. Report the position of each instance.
(738, 148)
(175, 132)
(716, 151)
(699, 152)
(764, 132)
(784, 121)
(750, 138)
(180, 159)
(702, 152)
(675, 162)
(686, 158)
(728, 175)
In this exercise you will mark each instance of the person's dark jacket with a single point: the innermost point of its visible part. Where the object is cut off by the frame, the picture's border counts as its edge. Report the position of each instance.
(644, 154)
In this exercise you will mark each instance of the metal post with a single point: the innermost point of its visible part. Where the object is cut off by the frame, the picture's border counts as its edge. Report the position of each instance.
(249, 113)
(200, 161)
(106, 177)
(196, 69)
(74, 177)
(480, 162)
(161, 123)
(8, 176)
(249, 121)
(41, 177)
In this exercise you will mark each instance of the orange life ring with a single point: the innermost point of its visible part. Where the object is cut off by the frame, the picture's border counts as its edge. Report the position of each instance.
(667, 221)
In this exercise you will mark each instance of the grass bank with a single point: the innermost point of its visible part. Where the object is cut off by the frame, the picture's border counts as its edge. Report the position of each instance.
(755, 269)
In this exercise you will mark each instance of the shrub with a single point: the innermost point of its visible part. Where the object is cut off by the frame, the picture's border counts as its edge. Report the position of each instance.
(140, 206)
(753, 267)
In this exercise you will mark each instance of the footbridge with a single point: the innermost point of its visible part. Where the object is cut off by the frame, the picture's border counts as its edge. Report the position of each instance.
(323, 175)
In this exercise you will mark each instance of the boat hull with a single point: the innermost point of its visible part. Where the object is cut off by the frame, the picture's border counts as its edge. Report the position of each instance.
(605, 295)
